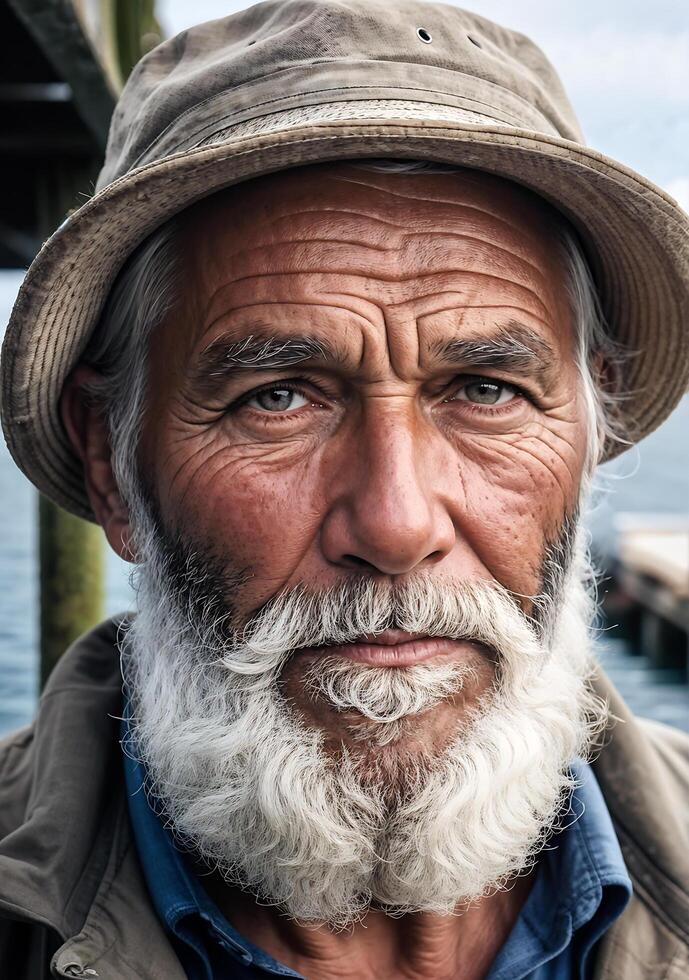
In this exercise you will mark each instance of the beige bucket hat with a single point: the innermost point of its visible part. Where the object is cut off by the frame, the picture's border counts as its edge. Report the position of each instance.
(292, 82)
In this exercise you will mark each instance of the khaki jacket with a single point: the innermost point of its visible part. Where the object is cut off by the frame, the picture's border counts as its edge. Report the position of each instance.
(73, 902)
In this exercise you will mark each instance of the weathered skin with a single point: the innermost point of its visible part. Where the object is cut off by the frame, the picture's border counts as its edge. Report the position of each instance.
(382, 463)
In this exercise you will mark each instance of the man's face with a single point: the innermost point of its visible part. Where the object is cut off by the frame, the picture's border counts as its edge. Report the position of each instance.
(368, 375)
(361, 461)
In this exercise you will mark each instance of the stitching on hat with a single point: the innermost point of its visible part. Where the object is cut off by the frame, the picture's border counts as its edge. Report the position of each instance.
(343, 88)
(370, 108)
(180, 145)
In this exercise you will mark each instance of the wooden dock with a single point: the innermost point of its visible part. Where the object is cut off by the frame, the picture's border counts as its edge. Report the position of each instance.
(647, 596)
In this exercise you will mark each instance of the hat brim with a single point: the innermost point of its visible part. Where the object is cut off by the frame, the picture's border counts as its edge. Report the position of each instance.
(636, 237)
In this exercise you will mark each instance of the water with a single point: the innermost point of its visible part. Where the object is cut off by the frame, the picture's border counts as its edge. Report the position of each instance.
(653, 478)
(651, 693)
(19, 594)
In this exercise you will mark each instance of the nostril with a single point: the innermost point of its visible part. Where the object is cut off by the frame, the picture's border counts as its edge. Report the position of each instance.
(474, 41)
(356, 561)
(434, 557)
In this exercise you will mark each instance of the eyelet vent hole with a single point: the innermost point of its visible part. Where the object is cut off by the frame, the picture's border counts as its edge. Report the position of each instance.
(423, 35)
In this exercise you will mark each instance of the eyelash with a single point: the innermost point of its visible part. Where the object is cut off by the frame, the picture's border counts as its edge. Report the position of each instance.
(297, 385)
(489, 409)
(290, 385)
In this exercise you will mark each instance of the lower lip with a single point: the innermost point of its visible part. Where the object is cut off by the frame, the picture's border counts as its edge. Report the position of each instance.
(395, 655)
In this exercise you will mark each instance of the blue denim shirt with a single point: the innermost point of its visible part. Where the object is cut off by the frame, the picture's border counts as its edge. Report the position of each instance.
(581, 887)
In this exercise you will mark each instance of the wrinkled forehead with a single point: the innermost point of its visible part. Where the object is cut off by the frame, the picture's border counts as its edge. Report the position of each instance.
(350, 202)
(395, 240)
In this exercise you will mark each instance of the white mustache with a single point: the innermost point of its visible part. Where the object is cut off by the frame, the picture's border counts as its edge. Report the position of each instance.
(477, 611)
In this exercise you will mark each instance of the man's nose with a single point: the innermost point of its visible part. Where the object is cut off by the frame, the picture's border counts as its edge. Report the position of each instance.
(389, 511)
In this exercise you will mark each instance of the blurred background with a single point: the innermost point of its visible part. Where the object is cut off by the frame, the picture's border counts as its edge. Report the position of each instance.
(625, 64)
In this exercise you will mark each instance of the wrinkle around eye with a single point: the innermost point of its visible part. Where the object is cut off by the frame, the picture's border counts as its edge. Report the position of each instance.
(550, 465)
(506, 445)
(209, 461)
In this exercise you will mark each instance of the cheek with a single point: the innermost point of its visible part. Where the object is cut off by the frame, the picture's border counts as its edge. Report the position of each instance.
(516, 497)
(257, 509)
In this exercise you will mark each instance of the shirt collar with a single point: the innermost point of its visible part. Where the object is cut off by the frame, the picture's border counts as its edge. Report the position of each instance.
(179, 898)
(581, 887)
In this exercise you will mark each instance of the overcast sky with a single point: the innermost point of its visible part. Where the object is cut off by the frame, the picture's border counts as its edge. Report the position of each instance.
(625, 64)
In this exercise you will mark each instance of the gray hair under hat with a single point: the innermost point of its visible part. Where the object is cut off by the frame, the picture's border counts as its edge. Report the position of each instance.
(293, 82)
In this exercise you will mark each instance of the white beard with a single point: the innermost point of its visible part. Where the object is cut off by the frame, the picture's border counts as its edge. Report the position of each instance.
(248, 786)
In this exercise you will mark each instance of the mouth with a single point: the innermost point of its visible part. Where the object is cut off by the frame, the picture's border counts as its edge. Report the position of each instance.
(396, 648)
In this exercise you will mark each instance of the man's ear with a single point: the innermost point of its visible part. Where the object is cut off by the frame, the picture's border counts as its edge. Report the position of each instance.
(602, 370)
(87, 428)
(606, 378)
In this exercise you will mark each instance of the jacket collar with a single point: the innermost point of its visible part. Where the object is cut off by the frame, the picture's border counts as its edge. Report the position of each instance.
(70, 864)
(53, 862)
(643, 772)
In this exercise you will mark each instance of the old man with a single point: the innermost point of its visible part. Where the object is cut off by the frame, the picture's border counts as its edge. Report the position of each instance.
(331, 356)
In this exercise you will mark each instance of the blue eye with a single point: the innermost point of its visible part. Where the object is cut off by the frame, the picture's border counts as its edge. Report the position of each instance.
(484, 391)
(277, 399)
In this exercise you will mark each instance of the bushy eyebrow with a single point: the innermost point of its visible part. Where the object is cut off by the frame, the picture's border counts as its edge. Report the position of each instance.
(515, 348)
(225, 358)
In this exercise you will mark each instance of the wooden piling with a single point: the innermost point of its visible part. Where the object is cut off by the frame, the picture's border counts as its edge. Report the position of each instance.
(71, 580)
(91, 46)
